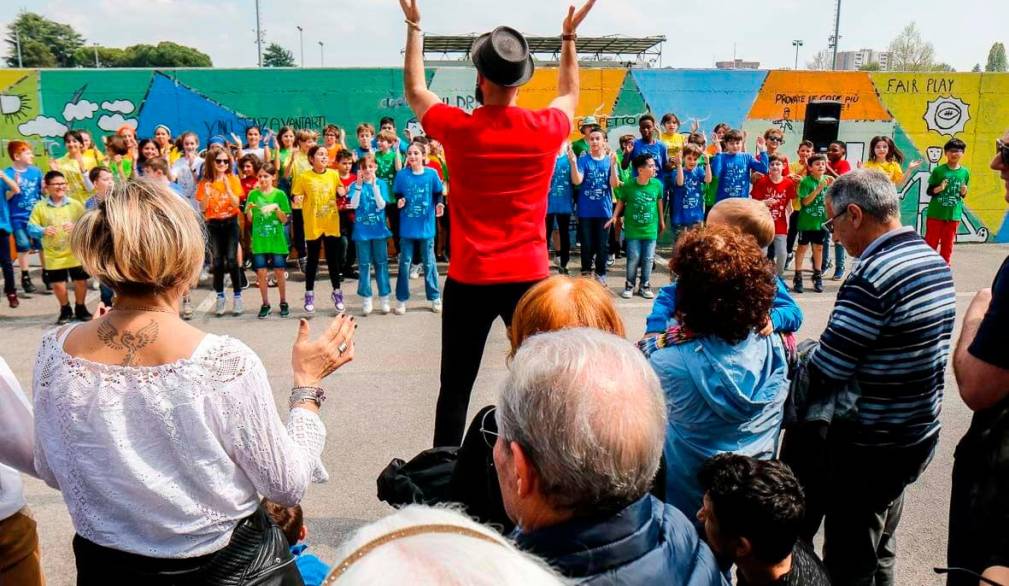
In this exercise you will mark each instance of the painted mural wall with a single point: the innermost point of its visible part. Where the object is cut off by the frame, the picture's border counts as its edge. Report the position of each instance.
(921, 111)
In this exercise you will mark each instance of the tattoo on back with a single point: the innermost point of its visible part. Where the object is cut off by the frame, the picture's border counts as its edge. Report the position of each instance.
(127, 341)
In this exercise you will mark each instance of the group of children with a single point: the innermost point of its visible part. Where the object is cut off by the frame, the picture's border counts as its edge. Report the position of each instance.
(668, 175)
(259, 202)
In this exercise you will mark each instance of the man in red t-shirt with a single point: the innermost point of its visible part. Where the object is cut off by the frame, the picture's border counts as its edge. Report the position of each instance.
(501, 158)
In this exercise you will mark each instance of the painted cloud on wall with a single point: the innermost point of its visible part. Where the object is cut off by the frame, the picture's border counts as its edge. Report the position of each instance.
(113, 122)
(81, 110)
(42, 126)
(121, 106)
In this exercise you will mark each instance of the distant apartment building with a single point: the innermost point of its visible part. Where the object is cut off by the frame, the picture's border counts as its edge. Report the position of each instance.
(737, 64)
(858, 59)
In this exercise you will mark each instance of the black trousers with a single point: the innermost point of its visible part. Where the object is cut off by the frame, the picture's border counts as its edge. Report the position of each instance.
(97, 564)
(6, 264)
(334, 255)
(469, 312)
(347, 234)
(564, 231)
(595, 239)
(793, 231)
(298, 233)
(223, 236)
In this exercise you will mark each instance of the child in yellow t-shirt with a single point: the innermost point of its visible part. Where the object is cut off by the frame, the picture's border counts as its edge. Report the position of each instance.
(887, 158)
(671, 136)
(317, 190)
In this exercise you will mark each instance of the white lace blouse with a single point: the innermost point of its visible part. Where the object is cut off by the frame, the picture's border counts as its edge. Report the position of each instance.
(164, 461)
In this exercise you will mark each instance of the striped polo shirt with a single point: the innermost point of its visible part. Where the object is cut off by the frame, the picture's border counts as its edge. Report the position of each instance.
(890, 330)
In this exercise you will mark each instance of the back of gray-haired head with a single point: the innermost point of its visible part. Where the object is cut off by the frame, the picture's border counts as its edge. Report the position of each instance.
(588, 410)
(870, 190)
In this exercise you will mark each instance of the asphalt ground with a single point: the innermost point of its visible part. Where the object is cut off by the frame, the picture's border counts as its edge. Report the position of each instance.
(381, 406)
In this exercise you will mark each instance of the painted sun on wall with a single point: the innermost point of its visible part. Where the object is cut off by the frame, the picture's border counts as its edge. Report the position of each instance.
(920, 111)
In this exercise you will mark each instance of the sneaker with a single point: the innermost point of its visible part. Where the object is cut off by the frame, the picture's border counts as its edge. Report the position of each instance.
(789, 259)
(12, 300)
(351, 274)
(221, 305)
(204, 275)
(818, 282)
(646, 291)
(383, 303)
(400, 308)
(271, 281)
(310, 301)
(562, 270)
(436, 305)
(301, 265)
(797, 284)
(243, 279)
(337, 297)
(45, 280)
(66, 314)
(610, 260)
(628, 291)
(187, 309)
(415, 271)
(94, 285)
(366, 306)
(26, 283)
(837, 276)
(236, 305)
(285, 309)
(264, 311)
(602, 280)
(827, 265)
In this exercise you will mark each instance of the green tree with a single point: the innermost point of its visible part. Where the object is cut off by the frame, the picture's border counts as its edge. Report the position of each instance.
(872, 66)
(997, 59)
(107, 56)
(164, 54)
(277, 56)
(976, 68)
(910, 52)
(942, 67)
(44, 43)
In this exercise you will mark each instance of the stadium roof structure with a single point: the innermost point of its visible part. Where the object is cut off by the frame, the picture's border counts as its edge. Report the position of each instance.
(613, 45)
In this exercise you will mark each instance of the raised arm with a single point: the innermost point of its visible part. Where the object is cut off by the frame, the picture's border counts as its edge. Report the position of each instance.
(414, 82)
(567, 78)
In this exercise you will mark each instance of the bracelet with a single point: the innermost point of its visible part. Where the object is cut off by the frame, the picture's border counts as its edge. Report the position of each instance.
(412, 24)
(569, 37)
(301, 394)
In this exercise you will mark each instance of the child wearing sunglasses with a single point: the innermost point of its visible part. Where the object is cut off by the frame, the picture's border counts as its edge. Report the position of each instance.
(219, 193)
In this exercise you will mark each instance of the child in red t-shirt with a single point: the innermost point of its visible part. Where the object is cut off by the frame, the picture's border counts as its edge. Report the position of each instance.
(837, 165)
(344, 164)
(776, 191)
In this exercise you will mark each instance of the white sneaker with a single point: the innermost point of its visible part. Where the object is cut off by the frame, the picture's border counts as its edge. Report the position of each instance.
(236, 306)
(366, 306)
(204, 275)
(95, 285)
(628, 293)
(415, 271)
(187, 310)
(221, 306)
(436, 305)
(383, 303)
(400, 308)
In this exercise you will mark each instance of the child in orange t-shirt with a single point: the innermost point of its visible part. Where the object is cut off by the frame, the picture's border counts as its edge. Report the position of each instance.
(220, 194)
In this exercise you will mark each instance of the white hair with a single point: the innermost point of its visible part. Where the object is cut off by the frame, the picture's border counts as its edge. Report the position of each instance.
(870, 190)
(452, 559)
(589, 412)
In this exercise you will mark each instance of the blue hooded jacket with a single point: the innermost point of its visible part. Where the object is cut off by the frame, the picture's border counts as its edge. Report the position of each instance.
(648, 542)
(721, 398)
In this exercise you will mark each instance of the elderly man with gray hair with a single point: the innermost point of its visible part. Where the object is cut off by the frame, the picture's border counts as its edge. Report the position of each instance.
(883, 356)
(582, 420)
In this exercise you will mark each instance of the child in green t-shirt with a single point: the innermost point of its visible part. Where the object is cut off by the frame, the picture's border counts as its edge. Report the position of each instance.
(812, 215)
(389, 163)
(640, 203)
(948, 187)
(267, 209)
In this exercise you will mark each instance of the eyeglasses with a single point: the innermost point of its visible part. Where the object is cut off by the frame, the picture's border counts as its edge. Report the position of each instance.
(829, 224)
(489, 435)
(1002, 149)
(776, 139)
(222, 161)
(57, 186)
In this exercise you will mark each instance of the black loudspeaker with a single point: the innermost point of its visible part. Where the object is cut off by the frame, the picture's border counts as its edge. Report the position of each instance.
(823, 118)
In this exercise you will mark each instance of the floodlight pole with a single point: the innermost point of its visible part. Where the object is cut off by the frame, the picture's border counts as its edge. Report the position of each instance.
(96, 56)
(322, 55)
(17, 38)
(837, 31)
(797, 43)
(301, 38)
(259, 37)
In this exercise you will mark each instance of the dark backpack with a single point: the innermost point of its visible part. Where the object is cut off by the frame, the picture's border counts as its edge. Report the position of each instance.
(423, 480)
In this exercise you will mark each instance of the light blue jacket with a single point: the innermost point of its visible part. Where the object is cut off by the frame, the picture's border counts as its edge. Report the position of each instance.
(786, 315)
(721, 398)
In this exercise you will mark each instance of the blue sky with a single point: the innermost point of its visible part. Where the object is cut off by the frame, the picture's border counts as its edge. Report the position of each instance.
(371, 32)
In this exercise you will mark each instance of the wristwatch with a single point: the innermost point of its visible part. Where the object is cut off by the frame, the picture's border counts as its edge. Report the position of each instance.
(300, 394)
(569, 37)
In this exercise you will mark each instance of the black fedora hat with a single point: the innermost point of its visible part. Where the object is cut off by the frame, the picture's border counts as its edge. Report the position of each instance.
(502, 56)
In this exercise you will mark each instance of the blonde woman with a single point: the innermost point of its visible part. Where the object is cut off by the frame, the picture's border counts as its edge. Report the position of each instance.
(160, 436)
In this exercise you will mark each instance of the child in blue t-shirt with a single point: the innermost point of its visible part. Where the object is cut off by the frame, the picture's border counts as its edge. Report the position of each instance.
(732, 168)
(291, 520)
(560, 205)
(420, 199)
(596, 173)
(688, 191)
(368, 196)
(785, 316)
(20, 204)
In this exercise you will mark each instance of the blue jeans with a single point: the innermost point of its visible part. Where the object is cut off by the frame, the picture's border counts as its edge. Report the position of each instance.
(838, 254)
(373, 252)
(406, 250)
(640, 252)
